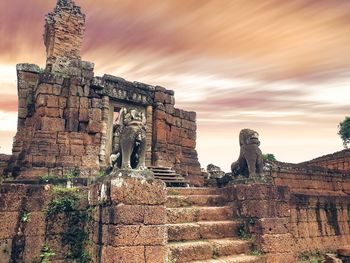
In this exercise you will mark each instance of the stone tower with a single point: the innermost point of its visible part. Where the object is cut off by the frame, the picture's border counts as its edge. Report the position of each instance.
(64, 31)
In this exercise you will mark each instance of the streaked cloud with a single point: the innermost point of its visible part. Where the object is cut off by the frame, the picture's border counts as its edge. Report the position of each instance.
(280, 67)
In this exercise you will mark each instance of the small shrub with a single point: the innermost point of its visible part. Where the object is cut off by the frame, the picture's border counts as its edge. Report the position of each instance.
(257, 252)
(71, 174)
(171, 260)
(243, 232)
(25, 216)
(101, 174)
(46, 254)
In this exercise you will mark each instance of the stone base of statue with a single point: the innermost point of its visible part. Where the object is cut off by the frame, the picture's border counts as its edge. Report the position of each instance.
(241, 179)
(132, 173)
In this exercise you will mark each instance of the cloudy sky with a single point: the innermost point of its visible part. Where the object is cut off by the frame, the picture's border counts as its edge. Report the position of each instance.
(279, 67)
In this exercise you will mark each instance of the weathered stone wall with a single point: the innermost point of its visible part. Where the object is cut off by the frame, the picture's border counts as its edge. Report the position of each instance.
(312, 181)
(338, 160)
(319, 206)
(320, 222)
(115, 220)
(175, 137)
(59, 123)
(300, 210)
(40, 222)
(129, 221)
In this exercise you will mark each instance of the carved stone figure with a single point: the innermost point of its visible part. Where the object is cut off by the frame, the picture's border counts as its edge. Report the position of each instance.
(129, 140)
(249, 163)
(214, 171)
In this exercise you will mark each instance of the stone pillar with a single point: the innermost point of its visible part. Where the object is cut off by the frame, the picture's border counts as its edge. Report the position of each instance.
(129, 220)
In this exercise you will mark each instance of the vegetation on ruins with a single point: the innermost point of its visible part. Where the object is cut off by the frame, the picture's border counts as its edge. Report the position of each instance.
(46, 254)
(243, 232)
(67, 201)
(268, 157)
(171, 260)
(101, 174)
(309, 257)
(25, 216)
(344, 131)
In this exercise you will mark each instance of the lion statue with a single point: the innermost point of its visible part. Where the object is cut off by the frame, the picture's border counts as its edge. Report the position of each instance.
(129, 140)
(249, 163)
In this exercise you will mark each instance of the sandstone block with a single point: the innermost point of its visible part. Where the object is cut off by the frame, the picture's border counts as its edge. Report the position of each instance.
(137, 235)
(259, 209)
(52, 101)
(8, 224)
(77, 150)
(155, 254)
(62, 102)
(280, 243)
(273, 225)
(73, 102)
(84, 103)
(126, 254)
(190, 125)
(160, 96)
(188, 143)
(35, 225)
(44, 88)
(179, 232)
(52, 124)
(137, 214)
(169, 108)
(73, 119)
(281, 257)
(56, 89)
(83, 115)
(96, 115)
(94, 126)
(22, 113)
(137, 192)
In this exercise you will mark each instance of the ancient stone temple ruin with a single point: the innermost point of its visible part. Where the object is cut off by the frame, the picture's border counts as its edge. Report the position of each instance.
(66, 115)
(68, 191)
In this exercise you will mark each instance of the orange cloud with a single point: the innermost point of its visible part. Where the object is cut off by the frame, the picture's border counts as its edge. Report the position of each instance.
(280, 66)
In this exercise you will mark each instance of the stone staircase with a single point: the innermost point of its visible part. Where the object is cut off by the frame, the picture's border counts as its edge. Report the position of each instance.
(202, 228)
(168, 176)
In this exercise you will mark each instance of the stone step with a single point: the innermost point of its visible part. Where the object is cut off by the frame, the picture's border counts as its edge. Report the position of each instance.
(234, 259)
(202, 230)
(199, 213)
(159, 168)
(229, 246)
(173, 178)
(194, 200)
(167, 175)
(206, 249)
(193, 191)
